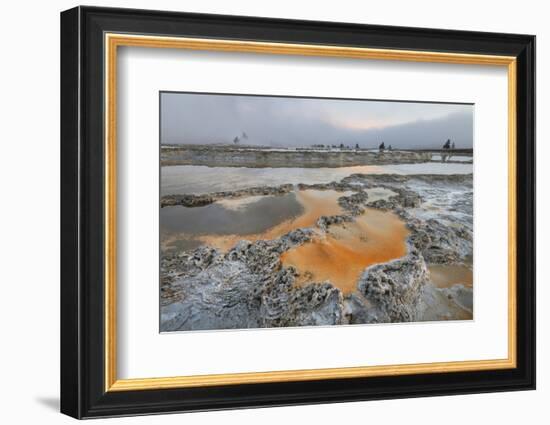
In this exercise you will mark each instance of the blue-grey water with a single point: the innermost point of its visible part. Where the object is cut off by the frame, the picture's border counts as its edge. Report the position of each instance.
(223, 219)
(182, 179)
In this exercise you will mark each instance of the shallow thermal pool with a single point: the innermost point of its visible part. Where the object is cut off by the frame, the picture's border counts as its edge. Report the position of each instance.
(224, 223)
(341, 255)
(374, 237)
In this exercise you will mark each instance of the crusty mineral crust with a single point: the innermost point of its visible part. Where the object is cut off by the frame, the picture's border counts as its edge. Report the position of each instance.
(248, 287)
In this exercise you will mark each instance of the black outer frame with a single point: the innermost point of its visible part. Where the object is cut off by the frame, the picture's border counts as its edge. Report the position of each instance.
(82, 218)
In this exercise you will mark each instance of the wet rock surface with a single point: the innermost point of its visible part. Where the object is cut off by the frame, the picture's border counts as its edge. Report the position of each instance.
(190, 200)
(245, 288)
(248, 287)
(455, 303)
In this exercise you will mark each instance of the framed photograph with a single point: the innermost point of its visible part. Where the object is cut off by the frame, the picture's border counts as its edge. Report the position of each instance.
(261, 212)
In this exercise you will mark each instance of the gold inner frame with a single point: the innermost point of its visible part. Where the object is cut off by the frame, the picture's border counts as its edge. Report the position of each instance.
(113, 41)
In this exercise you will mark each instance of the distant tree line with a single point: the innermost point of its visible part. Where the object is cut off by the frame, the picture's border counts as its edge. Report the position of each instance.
(381, 147)
(237, 140)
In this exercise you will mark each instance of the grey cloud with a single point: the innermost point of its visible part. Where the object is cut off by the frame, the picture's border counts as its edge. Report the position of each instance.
(283, 121)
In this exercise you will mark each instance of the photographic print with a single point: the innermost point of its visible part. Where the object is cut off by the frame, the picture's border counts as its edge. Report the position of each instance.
(281, 211)
(255, 183)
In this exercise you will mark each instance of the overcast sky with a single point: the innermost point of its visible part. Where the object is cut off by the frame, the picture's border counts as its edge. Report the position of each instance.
(285, 121)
